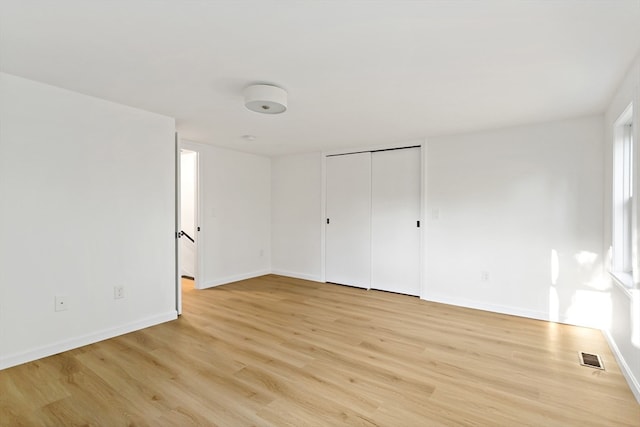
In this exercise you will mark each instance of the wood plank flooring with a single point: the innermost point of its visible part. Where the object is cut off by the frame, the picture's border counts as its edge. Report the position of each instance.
(276, 351)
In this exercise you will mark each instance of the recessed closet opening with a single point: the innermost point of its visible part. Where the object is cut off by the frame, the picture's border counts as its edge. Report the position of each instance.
(373, 206)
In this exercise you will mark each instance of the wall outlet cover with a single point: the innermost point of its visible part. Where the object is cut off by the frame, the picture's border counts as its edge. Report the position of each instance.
(61, 303)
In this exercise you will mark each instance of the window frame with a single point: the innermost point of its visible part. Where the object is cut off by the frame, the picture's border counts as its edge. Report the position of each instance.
(624, 267)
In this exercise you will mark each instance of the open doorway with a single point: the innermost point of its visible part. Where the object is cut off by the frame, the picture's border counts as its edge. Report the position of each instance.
(188, 223)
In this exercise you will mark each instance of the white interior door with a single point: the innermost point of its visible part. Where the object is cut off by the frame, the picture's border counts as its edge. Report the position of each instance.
(395, 212)
(348, 228)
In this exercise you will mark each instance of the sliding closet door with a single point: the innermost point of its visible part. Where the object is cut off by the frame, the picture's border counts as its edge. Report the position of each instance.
(395, 211)
(348, 228)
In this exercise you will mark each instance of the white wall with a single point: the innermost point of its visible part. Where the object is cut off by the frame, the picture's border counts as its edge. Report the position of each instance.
(624, 333)
(87, 203)
(296, 212)
(235, 215)
(515, 203)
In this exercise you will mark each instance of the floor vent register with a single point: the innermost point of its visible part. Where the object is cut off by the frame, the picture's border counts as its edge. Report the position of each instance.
(591, 360)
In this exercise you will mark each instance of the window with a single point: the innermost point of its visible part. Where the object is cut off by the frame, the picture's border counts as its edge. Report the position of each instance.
(623, 193)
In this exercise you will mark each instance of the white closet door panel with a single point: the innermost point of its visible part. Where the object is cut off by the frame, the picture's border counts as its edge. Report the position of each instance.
(348, 234)
(395, 236)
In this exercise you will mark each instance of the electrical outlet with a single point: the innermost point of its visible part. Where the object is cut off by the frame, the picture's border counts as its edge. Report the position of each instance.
(484, 276)
(61, 303)
(118, 292)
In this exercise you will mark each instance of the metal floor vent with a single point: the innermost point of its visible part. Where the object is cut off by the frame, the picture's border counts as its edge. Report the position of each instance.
(591, 360)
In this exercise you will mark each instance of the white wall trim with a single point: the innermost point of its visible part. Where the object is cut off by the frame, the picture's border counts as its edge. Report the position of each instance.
(502, 309)
(296, 275)
(633, 382)
(80, 341)
(623, 282)
(234, 278)
(494, 308)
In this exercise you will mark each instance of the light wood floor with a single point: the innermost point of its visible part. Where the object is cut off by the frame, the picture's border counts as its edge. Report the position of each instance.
(287, 352)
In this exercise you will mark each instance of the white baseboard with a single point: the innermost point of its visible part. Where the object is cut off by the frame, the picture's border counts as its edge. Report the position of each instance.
(234, 278)
(634, 385)
(495, 308)
(295, 275)
(71, 343)
(508, 310)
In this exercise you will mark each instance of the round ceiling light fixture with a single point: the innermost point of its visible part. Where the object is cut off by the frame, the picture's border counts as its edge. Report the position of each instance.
(266, 99)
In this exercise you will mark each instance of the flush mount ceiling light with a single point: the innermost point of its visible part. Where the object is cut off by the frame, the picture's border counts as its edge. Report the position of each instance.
(266, 99)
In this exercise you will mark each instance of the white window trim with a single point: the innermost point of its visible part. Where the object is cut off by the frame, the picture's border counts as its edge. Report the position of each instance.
(625, 165)
(624, 281)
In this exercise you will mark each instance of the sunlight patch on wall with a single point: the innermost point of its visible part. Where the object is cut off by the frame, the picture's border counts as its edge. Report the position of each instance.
(590, 308)
(554, 300)
(555, 267)
(586, 258)
(588, 264)
(554, 305)
(598, 283)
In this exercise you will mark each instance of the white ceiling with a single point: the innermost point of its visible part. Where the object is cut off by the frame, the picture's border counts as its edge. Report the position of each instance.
(357, 72)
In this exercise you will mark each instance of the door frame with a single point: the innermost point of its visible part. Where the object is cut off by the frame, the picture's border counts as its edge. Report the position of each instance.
(177, 225)
(180, 146)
